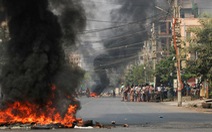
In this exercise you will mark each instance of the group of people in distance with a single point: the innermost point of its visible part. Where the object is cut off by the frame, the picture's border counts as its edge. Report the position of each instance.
(138, 93)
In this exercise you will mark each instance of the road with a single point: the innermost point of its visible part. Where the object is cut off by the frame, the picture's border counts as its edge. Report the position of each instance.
(140, 116)
(157, 115)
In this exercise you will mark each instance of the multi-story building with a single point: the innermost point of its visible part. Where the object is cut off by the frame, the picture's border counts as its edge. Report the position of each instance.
(163, 29)
(188, 9)
(186, 24)
(164, 37)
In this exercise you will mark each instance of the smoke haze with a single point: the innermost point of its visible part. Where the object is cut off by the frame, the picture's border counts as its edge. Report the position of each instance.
(125, 41)
(35, 51)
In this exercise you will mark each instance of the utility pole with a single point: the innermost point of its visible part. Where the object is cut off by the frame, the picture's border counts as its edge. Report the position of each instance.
(154, 55)
(177, 43)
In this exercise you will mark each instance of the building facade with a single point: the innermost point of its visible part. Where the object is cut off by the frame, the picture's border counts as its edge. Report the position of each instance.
(75, 59)
(186, 35)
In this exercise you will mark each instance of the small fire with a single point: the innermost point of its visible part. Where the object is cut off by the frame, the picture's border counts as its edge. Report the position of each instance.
(25, 112)
(92, 94)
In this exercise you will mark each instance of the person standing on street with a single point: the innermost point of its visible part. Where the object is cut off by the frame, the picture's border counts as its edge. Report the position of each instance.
(122, 91)
(126, 91)
(132, 93)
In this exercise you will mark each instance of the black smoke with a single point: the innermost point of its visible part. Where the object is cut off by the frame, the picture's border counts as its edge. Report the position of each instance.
(100, 70)
(137, 13)
(127, 35)
(72, 18)
(35, 51)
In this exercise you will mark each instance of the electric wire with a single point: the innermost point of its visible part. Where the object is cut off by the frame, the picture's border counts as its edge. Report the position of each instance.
(118, 26)
(111, 3)
(121, 36)
(125, 58)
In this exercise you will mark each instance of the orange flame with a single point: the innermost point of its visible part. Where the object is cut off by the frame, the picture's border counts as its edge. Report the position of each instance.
(30, 113)
(93, 94)
(25, 112)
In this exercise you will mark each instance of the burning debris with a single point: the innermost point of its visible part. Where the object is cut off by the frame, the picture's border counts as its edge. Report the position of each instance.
(90, 124)
(38, 85)
(78, 124)
(26, 112)
(93, 94)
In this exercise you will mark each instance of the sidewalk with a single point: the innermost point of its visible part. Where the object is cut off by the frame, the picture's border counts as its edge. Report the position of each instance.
(193, 105)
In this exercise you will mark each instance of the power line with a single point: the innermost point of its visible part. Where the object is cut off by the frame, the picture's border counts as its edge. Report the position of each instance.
(105, 21)
(131, 49)
(130, 31)
(121, 36)
(129, 46)
(117, 37)
(114, 48)
(118, 26)
(112, 3)
(118, 61)
(123, 46)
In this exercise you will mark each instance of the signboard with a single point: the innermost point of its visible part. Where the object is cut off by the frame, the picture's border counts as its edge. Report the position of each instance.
(175, 83)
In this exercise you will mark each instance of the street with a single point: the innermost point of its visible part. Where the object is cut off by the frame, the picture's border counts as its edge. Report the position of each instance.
(105, 110)
(79, 65)
(140, 116)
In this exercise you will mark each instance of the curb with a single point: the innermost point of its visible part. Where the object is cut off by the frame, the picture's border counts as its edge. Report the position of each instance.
(193, 105)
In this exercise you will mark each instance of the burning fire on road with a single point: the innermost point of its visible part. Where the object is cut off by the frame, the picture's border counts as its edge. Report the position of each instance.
(26, 112)
(93, 94)
(38, 83)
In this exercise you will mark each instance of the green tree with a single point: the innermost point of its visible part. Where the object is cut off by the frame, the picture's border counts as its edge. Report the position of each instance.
(166, 70)
(135, 75)
(201, 46)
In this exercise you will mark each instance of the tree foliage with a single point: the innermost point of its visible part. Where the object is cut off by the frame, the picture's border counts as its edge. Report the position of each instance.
(166, 70)
(201, 44)
(135, 75)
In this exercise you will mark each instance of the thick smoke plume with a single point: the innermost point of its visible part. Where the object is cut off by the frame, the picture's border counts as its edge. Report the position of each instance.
(126, 41)
(139, 12)
(36, 58)
(72, 18)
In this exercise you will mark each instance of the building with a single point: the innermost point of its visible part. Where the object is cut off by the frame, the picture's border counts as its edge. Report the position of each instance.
(75, 59)
(164, 38)
(186, 24)
(188, 9)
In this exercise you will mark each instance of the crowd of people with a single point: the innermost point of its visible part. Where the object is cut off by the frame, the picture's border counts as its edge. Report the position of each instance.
(141, 93)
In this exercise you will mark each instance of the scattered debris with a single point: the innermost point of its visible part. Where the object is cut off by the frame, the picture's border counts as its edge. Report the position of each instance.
(206, 105)
(99, 125)
(3, 128)
(42, 127)
(160, 116)
(208, 100)
(113, 122)
(80, 127)
(125, 125)
(80, 124)
(85, 123)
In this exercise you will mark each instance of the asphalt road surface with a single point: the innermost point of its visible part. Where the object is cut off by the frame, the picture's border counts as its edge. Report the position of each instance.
(157, 115)
(140, 116)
